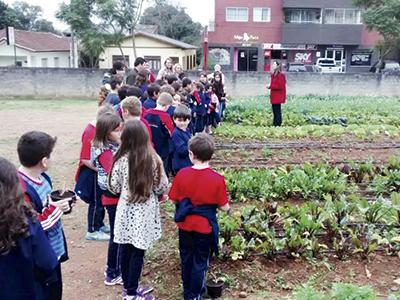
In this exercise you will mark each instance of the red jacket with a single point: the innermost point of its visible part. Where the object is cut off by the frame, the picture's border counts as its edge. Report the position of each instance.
(278, 89)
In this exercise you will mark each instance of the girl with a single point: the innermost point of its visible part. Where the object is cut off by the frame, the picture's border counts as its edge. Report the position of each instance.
(142, 80)
(26, 257)
(166, 70)
(138, 176)
(213, 116)
(278, 91)
(104, 145)
(178, 71)
(219, 91)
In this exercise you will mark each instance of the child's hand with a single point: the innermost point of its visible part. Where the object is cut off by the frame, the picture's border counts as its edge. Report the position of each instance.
(163, 198)
(63, 204)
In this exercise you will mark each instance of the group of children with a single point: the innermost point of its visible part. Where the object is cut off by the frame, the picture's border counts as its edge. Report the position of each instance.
(126, 156)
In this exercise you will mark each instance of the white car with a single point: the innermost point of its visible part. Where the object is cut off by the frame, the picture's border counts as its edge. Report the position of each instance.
(328, 65)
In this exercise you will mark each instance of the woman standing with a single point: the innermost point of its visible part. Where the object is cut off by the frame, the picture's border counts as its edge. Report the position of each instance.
(166, 70)
(278, 91)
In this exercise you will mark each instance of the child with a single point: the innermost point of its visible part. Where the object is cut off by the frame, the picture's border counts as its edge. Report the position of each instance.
(112, 97)
(161, 126)
(137, 175)
(203, 78)
(26, 257)
(87, 187)
(34, 150)
(203, 101)
(198, 231)
(219, 91)
(170, 90)
(213, 117)
(180, 139)
(131, 108)
(104, 145)
(101, 100)
(153, 90)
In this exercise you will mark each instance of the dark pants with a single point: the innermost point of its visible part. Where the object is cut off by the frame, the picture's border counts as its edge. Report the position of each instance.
(222, 106)
(53, 290)
(96, 211)
(276, 110)
(201, 122)
(114, 249)
(194, 249)
(132, 260)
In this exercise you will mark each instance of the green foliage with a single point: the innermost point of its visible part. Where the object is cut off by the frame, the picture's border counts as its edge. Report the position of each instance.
(346, 291)
(307, 292)
(172, 22)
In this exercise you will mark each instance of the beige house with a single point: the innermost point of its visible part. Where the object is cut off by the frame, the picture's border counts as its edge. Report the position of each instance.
(154, 48)
(35, 49)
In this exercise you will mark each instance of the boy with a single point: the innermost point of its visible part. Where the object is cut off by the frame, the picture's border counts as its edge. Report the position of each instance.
(161, 126)
(152, 91)
(204, 190)
(34, 150)
(131, 109)
(112, 97)
(180, 139)
(202, 107)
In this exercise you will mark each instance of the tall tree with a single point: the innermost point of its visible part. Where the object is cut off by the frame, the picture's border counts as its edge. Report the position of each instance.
(384, 17)
(173, 22)
(7, 16)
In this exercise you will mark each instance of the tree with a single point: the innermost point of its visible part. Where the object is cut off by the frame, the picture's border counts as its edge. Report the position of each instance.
(103, 21)
(172, 22)
(6, 15)
(384, 17)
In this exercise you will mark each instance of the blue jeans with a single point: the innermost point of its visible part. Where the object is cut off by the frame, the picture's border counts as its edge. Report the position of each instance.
(221, 108)
(132, 260)
(194, 249)
(114, 249)
(96, 211)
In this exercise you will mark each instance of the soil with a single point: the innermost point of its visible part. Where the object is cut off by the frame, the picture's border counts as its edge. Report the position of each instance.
(259, 277)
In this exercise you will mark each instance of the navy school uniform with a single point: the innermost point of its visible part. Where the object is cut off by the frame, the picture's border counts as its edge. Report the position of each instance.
(26, 270)
(180, 149)
(201, 112)
(149, 103)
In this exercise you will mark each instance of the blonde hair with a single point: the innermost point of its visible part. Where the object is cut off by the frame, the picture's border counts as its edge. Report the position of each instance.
(166, 88)
(132, 105)
(164, 99)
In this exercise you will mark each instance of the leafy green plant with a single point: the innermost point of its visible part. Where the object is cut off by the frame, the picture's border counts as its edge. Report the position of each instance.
(347, 291)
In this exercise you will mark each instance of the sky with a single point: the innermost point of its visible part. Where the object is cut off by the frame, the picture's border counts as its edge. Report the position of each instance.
(200, 11)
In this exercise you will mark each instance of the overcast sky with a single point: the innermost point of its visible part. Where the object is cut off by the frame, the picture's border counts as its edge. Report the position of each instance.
(200, 11)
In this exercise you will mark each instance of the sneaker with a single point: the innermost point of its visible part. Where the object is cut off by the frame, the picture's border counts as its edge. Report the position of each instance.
(97, 236)
(141, 291)
(138, 297)
(113, 281)
(105, 229)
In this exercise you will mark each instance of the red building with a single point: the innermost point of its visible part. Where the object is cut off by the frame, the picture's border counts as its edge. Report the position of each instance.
(248, 35)
(241, 28)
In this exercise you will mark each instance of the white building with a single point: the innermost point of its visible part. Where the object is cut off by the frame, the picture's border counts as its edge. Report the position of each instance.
(35, 49)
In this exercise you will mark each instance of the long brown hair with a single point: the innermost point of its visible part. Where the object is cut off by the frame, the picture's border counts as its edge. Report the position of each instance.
(105, 124)
(142, 159)
(14, 212)
(278, 69)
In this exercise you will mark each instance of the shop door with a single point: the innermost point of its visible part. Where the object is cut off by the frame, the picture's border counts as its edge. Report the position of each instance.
(247, 59)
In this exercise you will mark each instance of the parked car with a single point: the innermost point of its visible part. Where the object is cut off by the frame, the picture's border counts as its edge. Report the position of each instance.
(387, 66)
(300, 67)
(328, 65)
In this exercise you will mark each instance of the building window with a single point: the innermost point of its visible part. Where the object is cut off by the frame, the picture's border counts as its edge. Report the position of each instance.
(44, 62)
(303, 16)
(116, 58)
(175, 60)
(261, 14)
(56, 62)
(154, 62)
(342, 16)
(237, 14)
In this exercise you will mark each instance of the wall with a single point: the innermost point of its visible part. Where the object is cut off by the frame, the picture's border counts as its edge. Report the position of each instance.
(84, 83)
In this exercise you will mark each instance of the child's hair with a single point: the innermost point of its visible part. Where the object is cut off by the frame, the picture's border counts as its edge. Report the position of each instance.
(139, 61)
(186, 81)
(14, 212)
(202, 146)
(134, 91)
(117, 66)
(107, 108)
(122, 92)
(200, 86)
(33, 146)
(135, 143)
(104, 126)
(102, 95)
(165, 99)
(177, 86)
(116, 80)
(141, 77)
(153, 89)
(167, 89)
(132, 105)
(182, 112)
(207, 86)
(171, 79)
(203, 74)
(160, 82)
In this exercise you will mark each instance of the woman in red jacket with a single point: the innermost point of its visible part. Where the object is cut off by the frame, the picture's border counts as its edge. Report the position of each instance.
(278, 91)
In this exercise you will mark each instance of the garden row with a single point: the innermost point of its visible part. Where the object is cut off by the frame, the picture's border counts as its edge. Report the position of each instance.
(313, 116)
(313, 182)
